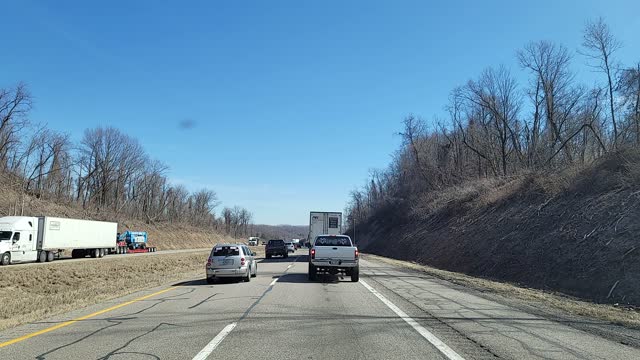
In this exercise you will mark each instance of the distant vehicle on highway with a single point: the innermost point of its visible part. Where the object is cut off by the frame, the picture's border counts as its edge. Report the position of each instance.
(276, 248)
(290, 247)
(334, 254)
(43, 238)
(324, 223)
(231, 261)
(253, 241)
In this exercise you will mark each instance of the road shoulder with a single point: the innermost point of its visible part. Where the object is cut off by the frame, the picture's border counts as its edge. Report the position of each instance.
(486, 309)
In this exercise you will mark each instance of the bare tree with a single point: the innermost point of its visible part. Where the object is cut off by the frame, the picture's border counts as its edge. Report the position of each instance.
(15, 105)
(629, 89)
(550, 65)
(496, 92)
(599, 45)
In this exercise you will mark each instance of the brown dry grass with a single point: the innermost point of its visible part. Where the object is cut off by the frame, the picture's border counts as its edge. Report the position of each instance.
(36, 292)
(541, 299)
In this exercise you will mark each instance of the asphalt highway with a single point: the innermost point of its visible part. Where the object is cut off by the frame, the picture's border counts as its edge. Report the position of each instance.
(391, 313)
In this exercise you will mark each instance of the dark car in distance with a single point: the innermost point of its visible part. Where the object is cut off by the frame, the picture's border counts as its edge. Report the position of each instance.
(276, 248)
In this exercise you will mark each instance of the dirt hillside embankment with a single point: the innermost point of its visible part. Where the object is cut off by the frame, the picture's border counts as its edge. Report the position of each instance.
(163, 235)
(576, 232)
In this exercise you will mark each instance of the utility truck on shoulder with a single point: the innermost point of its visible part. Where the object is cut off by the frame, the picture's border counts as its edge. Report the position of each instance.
(334, 254)
(43, 238)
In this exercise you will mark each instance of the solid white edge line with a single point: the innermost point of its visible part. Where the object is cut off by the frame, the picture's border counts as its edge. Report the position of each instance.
(441, 346)
(204, 353)
(273, 282)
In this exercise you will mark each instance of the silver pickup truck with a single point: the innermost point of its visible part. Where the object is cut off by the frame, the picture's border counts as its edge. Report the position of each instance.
(333, 254)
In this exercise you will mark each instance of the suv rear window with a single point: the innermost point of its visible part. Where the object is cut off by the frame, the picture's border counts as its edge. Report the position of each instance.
(332, 241)
(275, 243)
(226, 251)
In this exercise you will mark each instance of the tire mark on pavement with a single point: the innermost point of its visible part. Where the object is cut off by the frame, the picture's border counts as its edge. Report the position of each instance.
(113, 324)
(203, 301)
(131, 341)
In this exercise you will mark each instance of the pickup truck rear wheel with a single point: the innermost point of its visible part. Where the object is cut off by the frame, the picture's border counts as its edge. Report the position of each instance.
(313, 272)
(5, 259)
(355, 274)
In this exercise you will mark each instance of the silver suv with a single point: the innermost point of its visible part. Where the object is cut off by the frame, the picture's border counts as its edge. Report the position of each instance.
(231, 261)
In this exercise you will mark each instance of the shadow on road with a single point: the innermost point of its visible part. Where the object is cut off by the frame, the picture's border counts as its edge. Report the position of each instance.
(304, 278)
(203, 282)
(279, 259)
(292, 258)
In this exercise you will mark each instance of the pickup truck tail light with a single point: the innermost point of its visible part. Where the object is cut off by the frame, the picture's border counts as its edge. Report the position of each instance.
(313, 253)
(357, 253)
(242, 261)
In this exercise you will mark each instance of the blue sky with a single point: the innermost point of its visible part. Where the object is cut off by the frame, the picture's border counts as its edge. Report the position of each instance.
(293, 102)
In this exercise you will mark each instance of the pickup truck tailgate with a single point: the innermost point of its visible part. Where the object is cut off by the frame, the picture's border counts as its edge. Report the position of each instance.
(335, 252)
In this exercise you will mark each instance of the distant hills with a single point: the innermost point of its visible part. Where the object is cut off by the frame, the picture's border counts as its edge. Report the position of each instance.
(281, 231)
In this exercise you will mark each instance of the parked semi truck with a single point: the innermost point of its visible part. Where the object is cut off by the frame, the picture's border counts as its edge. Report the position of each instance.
(43, 238)
(324, 223)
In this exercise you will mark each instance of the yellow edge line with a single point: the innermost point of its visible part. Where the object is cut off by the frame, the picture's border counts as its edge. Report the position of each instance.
(67, 323)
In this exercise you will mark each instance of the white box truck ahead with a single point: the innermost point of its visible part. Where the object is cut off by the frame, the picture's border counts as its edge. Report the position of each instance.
(43, 238)
(324, 223)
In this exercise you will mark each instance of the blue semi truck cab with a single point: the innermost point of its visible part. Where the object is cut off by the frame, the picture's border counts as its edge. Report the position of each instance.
(134, 239)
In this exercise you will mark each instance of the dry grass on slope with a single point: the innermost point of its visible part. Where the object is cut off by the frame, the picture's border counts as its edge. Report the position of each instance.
(36, 292)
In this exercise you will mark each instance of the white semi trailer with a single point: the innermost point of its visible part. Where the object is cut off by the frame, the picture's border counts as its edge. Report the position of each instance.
(324, 223)
(43, 238)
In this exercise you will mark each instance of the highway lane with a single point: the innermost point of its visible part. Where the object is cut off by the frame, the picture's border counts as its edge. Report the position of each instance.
(280, 315)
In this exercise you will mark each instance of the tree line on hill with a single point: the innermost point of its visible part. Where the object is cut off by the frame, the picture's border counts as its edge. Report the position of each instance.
(497, 127)
(108, 173)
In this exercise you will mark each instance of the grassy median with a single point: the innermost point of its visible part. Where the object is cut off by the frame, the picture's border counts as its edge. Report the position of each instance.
(31, 293)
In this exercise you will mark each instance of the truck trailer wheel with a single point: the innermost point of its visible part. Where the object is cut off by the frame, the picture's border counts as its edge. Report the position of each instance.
(42, 256)
(50, 256)
(95, 253)
(5, 259)
(101, 253)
